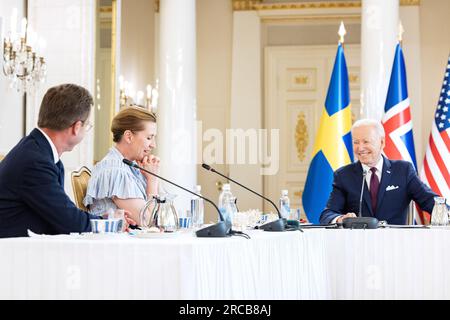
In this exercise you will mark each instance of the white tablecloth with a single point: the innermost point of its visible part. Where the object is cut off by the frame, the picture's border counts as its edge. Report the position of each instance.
(389, 263)
(317, 264)
(287, 265)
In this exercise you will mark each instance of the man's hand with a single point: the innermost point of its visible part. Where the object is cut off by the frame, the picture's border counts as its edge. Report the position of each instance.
(348, 215)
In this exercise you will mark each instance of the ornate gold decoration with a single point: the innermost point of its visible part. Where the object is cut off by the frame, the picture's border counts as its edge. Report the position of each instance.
(245, 5)
(298, 194)
(108, 9)
(240, 5)
(410, 2)
(307, 5)
(353, 78)
(301, 136)
(2, 157)
(301, 80)
(219, 185)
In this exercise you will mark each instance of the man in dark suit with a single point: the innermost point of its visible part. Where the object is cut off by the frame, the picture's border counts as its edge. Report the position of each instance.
(32, 175)
(389, 185)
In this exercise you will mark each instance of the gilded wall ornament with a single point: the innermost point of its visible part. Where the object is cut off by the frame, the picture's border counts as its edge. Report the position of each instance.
(301, 136)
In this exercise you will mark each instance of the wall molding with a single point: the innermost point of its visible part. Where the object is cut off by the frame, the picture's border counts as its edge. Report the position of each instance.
(258, 5)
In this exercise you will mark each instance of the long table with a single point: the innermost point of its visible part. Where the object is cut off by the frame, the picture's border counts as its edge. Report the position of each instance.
(316, 264)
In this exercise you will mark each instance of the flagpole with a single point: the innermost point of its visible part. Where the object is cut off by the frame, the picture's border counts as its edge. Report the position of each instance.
(332, 146)
(411, 212)
(342, 32)
(401, 31)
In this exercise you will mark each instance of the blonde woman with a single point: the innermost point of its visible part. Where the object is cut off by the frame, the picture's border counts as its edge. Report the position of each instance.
(113, 184)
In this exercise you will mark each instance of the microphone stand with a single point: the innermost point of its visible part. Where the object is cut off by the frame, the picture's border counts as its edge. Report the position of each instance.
(361, 194)
(218, 230)
(277, 225)
(361, 222)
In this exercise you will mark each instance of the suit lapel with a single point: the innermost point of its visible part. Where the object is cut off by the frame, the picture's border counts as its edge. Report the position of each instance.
(385, 180)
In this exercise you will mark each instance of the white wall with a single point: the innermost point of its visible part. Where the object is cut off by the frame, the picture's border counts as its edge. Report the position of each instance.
(11, 107)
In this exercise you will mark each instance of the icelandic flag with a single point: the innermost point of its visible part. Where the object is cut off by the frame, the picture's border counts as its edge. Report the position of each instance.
(397, 120)
(333, 146)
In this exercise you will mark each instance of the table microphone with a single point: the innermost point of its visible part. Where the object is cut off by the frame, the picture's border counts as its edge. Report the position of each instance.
(217, 230)
(361, 222)
(277, 225)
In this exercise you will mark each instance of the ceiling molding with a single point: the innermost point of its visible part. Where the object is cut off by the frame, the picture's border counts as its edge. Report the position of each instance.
(258, 5)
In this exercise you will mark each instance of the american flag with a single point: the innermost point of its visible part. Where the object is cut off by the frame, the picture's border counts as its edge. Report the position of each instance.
(436, 165)
(397, 114)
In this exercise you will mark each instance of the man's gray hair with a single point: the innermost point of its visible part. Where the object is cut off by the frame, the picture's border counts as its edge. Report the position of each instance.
(370, 123)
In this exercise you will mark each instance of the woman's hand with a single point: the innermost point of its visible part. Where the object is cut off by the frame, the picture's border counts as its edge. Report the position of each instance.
(150, 163)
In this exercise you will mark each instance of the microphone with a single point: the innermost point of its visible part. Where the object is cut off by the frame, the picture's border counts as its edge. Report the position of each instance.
(277, 225)
(362, 192)
(361, 222)
(217, 230)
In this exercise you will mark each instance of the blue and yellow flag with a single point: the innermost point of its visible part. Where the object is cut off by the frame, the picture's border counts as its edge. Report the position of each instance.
(333, 147)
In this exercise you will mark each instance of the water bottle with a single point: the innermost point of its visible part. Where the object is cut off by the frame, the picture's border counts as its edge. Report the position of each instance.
(197, 208)
(285, 208)
(225, 207)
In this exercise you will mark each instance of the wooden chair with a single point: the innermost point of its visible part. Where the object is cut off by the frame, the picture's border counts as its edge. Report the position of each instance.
(80, 181)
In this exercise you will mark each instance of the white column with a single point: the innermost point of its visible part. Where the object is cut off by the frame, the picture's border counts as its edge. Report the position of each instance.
(177, 107)
(246, 109)
(379, 37)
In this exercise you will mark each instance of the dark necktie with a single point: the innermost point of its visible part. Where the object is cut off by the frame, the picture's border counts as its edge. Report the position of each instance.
(60, 166)
(374, 185)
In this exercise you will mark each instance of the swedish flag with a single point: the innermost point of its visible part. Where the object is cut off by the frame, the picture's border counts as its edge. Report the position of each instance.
(333, 147)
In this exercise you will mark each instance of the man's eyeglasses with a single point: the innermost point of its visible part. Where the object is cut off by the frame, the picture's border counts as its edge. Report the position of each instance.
(88, 125)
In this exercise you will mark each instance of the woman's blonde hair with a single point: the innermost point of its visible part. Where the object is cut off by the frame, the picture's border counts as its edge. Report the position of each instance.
(131, 118)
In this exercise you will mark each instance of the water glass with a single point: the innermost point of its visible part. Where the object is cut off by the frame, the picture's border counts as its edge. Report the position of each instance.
(184, 222)
(120, 214)
(439, 216)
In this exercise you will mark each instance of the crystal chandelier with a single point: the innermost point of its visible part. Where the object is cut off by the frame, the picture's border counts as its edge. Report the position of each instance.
(21, 64)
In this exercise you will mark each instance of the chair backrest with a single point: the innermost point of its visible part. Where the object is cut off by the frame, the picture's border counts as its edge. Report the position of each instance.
(80, 181)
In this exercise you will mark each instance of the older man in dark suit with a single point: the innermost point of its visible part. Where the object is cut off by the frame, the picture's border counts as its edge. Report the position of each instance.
(32, 175)
(389, 185)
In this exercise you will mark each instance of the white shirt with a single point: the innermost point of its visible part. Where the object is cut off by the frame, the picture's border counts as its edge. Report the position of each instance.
(379, 171)
(55, 152)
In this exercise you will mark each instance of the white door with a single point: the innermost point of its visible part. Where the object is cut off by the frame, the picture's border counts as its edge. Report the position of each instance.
(296, 84)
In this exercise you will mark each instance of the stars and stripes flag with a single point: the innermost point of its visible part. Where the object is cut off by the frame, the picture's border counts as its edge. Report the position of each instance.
(397, 120)
(436, 165)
